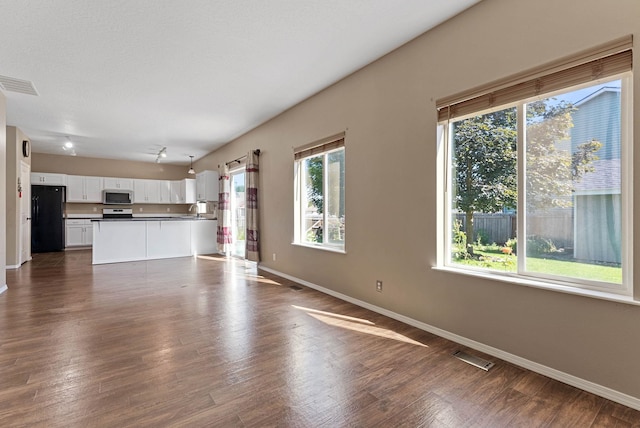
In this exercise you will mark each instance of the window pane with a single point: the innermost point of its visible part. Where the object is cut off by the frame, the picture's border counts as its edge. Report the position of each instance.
(573, 196)
(484, 190)
(312, 200)
(335, 198)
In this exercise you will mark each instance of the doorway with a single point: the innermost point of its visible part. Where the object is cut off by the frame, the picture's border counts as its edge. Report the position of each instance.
(24, 234)
(238, 219)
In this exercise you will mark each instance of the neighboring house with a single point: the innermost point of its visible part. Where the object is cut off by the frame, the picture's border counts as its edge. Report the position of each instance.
(597, 195)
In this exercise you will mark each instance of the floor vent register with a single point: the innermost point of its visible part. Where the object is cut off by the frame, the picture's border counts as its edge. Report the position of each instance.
(473, 360)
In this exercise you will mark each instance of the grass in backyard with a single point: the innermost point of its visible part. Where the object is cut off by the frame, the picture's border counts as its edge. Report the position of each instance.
(594, 272)
(495, 260)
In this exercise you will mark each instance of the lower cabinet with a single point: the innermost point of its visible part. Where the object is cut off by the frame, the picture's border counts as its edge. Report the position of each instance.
(168, 239)
(129, 240)
(79, 233)
(204, 237)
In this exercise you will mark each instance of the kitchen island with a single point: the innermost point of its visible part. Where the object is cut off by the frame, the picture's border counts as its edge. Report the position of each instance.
(147, 238)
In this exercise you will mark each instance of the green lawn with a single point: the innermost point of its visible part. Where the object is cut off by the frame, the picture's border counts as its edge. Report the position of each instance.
(507, 263)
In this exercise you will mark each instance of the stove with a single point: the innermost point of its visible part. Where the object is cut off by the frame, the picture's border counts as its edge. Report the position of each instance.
(117, 213)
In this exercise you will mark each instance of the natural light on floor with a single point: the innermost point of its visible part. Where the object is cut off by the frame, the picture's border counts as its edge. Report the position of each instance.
(357, 324)
(218, 259)
(262, 279)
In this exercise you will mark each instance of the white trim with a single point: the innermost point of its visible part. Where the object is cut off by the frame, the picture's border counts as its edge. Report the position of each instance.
(625, 292)
(8, 267)
(594, 388)
(323, 247)
(3, 288)
(539, 282)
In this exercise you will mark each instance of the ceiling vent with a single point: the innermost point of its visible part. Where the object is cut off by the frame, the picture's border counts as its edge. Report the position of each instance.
(12, 84)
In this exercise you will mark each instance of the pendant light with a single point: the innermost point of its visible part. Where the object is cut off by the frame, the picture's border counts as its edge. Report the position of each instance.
(191, 170)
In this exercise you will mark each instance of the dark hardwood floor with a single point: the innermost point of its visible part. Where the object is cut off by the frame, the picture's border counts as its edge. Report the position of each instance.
(209, 342)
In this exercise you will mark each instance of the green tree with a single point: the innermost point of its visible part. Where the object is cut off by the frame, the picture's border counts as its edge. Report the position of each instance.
(551, 171)
(315, 168)
(485, 160)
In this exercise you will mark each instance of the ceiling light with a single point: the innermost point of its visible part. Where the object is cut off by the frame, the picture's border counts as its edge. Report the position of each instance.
(191, 170)
(68, 144)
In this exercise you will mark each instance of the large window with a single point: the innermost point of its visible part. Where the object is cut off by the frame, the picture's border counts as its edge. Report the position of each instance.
(539, 187)
(319, 195)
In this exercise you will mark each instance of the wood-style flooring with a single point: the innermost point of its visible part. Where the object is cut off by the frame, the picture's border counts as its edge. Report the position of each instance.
(211, 342)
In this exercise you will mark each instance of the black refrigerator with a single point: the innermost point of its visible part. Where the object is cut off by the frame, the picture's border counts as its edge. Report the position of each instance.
(47, 218)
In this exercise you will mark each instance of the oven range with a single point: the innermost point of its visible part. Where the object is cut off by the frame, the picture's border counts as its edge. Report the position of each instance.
(117, 213)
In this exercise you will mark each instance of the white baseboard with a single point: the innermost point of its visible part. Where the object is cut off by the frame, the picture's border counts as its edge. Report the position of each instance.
(3, 288)
(594, 388)
(17, 266)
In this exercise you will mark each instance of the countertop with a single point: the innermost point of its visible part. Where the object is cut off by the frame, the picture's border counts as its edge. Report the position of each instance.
(185, 218)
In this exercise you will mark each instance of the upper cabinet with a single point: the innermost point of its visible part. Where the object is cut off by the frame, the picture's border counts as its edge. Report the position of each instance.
(112, 183)
(164, 191)
(48, 179)
(189, 185)
(84, 189)
(146, 191)
(207, 186)
(183, 191)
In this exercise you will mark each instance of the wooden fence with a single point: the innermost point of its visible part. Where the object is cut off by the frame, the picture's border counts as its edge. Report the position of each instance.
(499, 227)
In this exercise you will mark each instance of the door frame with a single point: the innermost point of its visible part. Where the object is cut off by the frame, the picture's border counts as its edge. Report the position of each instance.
(24, 227)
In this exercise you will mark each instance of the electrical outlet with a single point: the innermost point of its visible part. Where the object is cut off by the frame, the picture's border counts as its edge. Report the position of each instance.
(168, 209)
(140, 209)
(95, 209)
(274, 257)
(379, 286)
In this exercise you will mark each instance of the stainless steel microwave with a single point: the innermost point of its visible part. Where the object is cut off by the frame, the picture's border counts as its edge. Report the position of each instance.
(117, 197)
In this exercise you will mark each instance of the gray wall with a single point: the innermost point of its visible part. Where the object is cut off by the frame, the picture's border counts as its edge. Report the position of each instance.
(388, 112)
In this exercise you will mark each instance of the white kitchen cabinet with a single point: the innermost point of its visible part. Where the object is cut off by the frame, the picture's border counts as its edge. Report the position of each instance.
(79, 232)
(167, 239)
(146, 191)
(119, 241)
(84, 189)
(112, 183)
(177, 192)
(164, 191)
(183, 191)
(204, 237)
(48, 179)
(207, 186)
(189, 185)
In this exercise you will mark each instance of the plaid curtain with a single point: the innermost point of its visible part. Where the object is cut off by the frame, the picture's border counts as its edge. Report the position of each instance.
(252, 214)
(224, 211)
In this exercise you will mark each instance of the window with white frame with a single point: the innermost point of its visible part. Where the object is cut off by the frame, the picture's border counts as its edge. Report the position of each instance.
(538, 176)
(319, 195)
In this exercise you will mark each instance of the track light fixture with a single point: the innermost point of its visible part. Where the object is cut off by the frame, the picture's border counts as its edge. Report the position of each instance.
(161, 154)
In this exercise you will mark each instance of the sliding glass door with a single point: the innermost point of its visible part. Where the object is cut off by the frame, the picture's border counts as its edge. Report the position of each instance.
(238, 219)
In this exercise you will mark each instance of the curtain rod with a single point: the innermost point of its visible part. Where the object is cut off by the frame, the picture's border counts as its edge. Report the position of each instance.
(256, 152)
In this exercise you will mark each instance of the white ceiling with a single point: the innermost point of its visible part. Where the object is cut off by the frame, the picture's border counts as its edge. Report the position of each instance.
(123, 79)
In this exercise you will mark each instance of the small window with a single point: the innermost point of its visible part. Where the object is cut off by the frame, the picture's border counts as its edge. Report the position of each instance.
(319, 196)
(538, 187)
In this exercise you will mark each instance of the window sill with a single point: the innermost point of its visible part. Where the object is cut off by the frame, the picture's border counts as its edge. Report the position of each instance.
(602, 295)
(321, 247)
